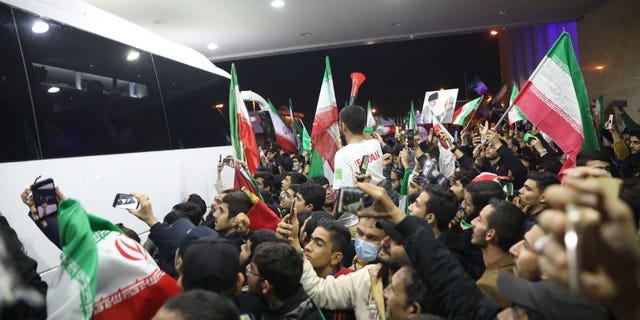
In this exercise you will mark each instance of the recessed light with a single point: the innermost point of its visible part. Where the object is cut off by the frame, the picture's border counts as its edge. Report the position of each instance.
(212, 46)
(411, 36)
(493, 33)
(305, 34)
(396, 24)
(133, 55)
(370, 42)
(40, 27)
(277, 3)
(600, 67)
(503, 12)
(53, 90)
(160, 21)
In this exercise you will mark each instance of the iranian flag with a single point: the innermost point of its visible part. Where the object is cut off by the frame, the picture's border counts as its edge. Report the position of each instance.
(461, 115)
(103, 273)
(371, 124)
(515, 114)
(284, 134)
(437, 127)
(242, 136)
(555, 100)
(325, 135)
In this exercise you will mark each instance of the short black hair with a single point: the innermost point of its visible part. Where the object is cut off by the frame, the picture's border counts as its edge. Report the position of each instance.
(588, 155)
(416, 290)
(313, 194)
(310, 220)
(200, 304)
(339, 234)
(268, 179)
(128, 232)
(442, 202)
(259, 237)
(508, 221)
(237, 202)
(354, 118)
(296, 178)
(465, 175)
(281, 265)
(481, 192)
(543, 179)
(190, 211)
(320, 180)
(286, 163)
(198, 201)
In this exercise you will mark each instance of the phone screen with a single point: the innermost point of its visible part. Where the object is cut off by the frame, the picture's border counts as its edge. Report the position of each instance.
(350, 199)
(228, 161)
(410, 142)
(364, 164)
(44, 197)
(125, 201)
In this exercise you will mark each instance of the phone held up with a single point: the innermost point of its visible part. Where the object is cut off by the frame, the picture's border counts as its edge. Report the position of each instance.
(350, 199)
(410, 141)
(44, 197)
(125, 201)
(364, 164)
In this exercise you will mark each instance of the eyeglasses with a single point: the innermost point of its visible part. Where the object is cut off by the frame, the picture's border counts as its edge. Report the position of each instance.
(248, 271)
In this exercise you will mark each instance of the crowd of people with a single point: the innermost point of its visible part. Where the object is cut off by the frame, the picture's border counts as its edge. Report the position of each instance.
(478, 227)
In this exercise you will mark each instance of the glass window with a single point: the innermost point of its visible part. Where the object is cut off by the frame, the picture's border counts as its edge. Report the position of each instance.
(190, 98)
(17, 128)
(91, 95)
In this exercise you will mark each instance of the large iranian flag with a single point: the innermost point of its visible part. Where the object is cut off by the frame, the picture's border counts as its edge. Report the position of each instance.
(242, 136)
(515, 114)
(325, 135)
(461, 115)
(555, 100)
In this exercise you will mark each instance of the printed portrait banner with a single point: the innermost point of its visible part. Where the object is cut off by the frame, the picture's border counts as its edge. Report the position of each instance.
(440, 104)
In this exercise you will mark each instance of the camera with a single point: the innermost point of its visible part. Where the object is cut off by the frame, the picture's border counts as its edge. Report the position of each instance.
(44, 197)
(350, 200)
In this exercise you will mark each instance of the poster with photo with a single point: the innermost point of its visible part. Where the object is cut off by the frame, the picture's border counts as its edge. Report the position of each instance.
(441, 104)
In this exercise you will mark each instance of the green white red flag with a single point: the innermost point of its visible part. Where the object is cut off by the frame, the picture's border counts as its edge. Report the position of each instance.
(462, 113)
(515, 114)
(325, 135)
(371, 124)
(285, 137)
(555, 100)
(242, 137)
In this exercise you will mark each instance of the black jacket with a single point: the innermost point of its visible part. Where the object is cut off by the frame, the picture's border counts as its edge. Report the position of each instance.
(297, 307)
(508, 162)
(451, 288)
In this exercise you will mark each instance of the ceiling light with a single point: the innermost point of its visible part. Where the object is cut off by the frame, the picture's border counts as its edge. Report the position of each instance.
(600, 67)
(133, 55)
(503, 12)
(212, 46)
(493, 33)
(370, 42)
(396, 24)
(160, 21)
(53, 90)
(40, 27)
(277, 3)
(305, 34)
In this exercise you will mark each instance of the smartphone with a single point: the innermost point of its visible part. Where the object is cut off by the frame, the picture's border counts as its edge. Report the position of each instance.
(125, 201)
(44, 197)
(410, 142)
(364, 164)
(428, 168)
(609, 124)
(350, 199)
(423, 146)
(228, 161)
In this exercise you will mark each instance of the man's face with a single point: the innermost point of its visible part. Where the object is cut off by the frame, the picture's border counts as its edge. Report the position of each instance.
(296, 163)
(328, 192)
(599, 164)
(223, 222)
(254, 279)
(634, 144)
(413, 187)
(490, 152)
(395, 295)
(367, 231)
(392, 253)
(467, 204)
(260, 182)
(245, 252)
(217, 201)
(319, 250)
(458, 189)
(481, 226)
(301, 204)
(529, 193)
(395, 181)
(286, 183)
(526, 262)
(286, 198)
(419, 207)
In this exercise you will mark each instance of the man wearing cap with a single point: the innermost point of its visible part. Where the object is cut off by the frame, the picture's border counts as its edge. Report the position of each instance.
(362, 290)
(499, 225)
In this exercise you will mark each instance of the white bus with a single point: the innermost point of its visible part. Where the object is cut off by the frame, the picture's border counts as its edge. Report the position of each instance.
(102, 106)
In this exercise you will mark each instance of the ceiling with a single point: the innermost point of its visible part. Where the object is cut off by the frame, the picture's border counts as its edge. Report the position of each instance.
(252, 28)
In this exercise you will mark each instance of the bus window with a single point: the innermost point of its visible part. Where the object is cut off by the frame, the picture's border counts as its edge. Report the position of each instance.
(190, 96)
(18, 140)
(91, 95)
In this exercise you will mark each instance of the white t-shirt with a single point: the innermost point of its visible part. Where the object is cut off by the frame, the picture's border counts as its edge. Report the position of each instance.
(347, 163)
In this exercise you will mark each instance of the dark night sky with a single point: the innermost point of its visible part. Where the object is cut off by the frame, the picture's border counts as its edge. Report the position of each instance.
(396, 72)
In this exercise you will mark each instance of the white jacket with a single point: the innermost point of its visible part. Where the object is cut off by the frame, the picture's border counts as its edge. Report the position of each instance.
(360, 290)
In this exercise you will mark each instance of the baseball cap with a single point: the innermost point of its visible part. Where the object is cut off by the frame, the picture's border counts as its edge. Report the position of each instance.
(211, 263)
(192, 235)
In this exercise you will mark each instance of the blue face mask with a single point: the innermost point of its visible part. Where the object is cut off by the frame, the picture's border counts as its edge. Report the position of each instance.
(295, 168)
(366, 251)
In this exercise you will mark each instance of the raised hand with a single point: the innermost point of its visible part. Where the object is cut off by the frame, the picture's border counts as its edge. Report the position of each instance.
(144, 212)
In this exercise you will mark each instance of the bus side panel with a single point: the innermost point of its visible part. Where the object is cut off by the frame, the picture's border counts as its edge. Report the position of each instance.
(167, 177)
